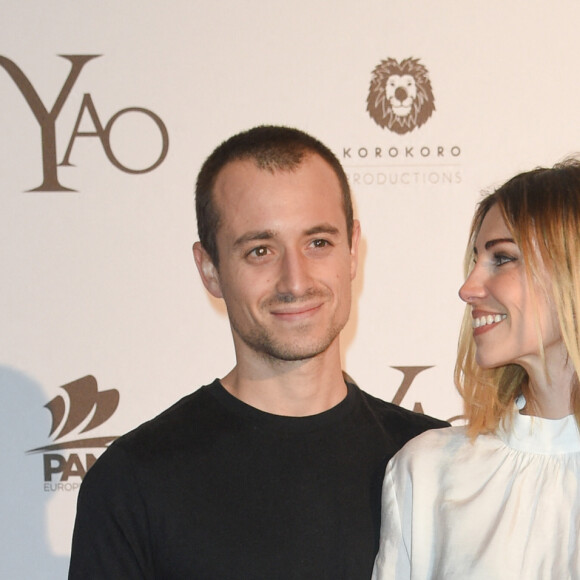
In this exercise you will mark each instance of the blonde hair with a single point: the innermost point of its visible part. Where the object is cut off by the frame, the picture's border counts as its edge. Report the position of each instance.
(541, 208)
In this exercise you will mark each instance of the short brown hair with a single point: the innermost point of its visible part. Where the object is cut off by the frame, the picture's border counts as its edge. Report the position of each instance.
(272, 148)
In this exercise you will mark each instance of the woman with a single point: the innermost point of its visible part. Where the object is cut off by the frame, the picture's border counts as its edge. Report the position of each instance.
(500, 498)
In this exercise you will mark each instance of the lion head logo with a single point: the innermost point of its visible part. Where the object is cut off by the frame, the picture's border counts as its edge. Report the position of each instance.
(400, 96)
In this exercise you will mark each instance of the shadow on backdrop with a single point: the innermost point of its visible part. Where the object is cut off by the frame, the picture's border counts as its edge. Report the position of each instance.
(25, 550)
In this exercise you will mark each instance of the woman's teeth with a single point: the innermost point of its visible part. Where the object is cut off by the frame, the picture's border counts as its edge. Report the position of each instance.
(489, 319)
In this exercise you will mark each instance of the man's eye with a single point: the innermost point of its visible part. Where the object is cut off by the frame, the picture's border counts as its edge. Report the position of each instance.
(258, 252)
(320, 243)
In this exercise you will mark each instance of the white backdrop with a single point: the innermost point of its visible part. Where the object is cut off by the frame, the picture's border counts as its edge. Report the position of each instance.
(100, 281)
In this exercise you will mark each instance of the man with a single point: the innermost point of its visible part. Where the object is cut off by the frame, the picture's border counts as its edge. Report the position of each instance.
(273, 472)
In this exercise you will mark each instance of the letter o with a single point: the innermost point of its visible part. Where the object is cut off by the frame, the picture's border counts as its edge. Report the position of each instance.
(162, 129)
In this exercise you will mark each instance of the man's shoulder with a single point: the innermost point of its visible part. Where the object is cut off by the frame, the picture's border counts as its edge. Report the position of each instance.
(395, 412)
(401, 424)
(166, 437)
(182, 420)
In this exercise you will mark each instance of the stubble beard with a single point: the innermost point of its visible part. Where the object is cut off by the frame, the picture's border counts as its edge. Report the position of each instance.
(295, 344)
(294, 349)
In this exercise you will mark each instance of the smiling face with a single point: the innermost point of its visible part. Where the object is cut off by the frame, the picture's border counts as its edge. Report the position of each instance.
(504, 309)
(285, 261)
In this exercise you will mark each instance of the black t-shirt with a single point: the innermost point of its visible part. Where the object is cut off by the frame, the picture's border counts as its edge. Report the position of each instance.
(213, 489)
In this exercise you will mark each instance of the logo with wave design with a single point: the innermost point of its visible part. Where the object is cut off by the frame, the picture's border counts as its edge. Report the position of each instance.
(82, 409)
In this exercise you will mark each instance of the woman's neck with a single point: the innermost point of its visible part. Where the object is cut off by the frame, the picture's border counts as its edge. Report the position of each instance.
(550, 389)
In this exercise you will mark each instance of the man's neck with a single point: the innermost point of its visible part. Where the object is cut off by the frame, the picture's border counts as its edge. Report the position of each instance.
(293, 389)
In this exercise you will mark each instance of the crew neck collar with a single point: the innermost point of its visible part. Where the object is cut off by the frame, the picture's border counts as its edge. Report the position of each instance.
(332, 415)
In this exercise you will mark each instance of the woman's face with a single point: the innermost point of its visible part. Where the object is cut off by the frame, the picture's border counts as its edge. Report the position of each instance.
(503, 307)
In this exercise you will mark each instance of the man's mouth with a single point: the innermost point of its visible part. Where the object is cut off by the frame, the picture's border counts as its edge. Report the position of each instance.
(297, 312)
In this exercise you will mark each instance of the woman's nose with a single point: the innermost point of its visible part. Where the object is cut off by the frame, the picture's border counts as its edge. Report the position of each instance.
(473, 287)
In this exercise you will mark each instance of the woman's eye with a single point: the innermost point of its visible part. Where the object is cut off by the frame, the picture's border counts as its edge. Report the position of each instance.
(501, 259)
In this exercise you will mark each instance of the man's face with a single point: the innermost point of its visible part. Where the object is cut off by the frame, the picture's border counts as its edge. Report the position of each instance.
(285, 264)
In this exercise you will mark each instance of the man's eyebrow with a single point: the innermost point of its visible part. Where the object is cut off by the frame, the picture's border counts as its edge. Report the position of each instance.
(257, 235)
(491, 243)
(254, 236)
(322, 229)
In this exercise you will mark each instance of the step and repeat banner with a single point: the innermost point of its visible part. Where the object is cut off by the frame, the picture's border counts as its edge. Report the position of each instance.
(107, 111)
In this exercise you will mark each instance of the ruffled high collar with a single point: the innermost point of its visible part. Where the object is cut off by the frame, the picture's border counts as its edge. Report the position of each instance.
(544, 436)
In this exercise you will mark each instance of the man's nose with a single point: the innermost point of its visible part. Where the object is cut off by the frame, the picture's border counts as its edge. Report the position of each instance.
(295, 273)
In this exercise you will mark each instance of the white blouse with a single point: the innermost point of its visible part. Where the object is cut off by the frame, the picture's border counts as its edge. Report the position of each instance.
(504, 507)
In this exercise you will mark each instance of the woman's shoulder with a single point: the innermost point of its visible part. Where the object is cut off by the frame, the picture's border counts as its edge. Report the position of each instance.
(433, 447)
(435, 438)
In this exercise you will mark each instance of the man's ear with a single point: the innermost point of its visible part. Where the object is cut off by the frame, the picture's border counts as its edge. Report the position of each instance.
(207, 270)
(354, 248)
